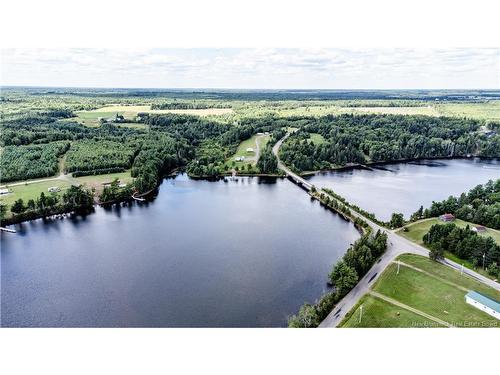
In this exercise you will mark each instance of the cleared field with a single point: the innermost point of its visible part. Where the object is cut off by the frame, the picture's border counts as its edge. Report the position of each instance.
(379, 313)
(428, 110)
(484, 111)
(97, 181)
(32, 190)
(431, 289)
(417, 230)
(251, 157)
(317, 139)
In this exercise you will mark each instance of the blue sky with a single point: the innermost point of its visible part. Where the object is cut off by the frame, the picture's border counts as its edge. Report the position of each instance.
(270, 68)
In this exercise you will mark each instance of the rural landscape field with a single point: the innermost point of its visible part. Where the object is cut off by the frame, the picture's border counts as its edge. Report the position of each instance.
(250, 208)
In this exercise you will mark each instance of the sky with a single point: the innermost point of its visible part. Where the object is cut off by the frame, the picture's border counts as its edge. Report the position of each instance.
(457, 68)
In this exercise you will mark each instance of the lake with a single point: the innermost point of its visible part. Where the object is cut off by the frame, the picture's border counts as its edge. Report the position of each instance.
(244, 253)
(404, 187)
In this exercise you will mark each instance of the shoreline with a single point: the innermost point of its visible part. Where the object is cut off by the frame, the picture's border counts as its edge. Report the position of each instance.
(368, 165)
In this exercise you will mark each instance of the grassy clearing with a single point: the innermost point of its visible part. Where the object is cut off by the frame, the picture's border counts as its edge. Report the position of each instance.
(32, 190)
(417, 230)
(97, 181)
(427, 110)
(448, 274)
(317, 139)
(432, 296)
(379, 313)
(250, 156)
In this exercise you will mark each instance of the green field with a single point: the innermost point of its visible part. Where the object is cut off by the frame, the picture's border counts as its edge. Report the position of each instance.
(417, 230)
(438, 291)
(483, 111)
(379, 313)
(317, 139)
(250, 157)
(32, 190)
(97, 180)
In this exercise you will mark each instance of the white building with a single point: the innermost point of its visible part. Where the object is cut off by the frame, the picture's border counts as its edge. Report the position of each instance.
(484, 303)
(249, 149)
(4, 191)
(53, 189)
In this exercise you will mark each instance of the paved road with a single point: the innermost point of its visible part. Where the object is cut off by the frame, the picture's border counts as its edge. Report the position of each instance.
(396, 245)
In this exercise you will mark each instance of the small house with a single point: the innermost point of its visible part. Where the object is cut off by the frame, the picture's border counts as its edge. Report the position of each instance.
(239, 158)
(249, 149)
(4, 191)
(447, 218)
(54, 189)
(479, 229)
(484, 303)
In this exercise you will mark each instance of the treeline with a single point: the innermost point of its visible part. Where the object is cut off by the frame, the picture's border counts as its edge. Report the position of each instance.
(115, 193)
(267, 163)
(344, 276)
(27, 162)
(465, 244)
(75, 199)
(159, 154)
(376, 138)
(481, 205)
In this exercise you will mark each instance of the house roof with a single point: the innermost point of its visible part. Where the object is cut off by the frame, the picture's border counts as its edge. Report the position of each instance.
(485, 300)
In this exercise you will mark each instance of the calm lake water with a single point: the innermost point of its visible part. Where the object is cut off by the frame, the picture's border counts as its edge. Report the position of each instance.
(404, 187)
(202, 254)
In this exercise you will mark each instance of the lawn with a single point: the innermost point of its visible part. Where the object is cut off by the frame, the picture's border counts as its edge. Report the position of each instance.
(433, 296)
(250, 157)
(417, 230)
(439, 291)
(98, 180)
(379, 313)
(32, 190)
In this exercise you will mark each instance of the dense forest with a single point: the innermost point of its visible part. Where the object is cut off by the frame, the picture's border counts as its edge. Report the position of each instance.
(377, 138)
(481, 205)
(34, 161)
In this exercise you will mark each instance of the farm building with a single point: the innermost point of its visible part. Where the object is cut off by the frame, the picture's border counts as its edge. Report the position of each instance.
(479, 229)
(484, 303)
(447, 217)
(4, 191)
(239, 158)
(249, 149)
(53, 189)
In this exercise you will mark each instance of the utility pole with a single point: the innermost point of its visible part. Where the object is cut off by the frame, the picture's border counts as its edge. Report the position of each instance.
(360, 313)
(484, 256)
(462, 270)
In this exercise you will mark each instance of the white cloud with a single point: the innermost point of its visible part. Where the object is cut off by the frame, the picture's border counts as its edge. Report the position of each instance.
(254, 68)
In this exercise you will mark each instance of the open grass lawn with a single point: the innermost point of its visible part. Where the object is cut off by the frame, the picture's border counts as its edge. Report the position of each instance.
(433, 296)
(97, 180)
(32, 191)
(423, 110)
(379, 313)
(417, 230)
(448, 274)
(250, 157)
